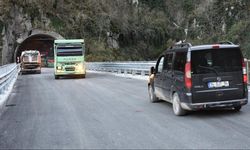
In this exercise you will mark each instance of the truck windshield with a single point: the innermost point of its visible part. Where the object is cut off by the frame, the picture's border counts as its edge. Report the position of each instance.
(216, 61)
(30, 54)
(69, 51)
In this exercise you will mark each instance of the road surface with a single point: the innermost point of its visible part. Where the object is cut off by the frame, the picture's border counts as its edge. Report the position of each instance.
(105, 111)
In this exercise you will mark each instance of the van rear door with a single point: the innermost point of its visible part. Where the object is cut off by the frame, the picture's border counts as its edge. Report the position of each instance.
(217, 75)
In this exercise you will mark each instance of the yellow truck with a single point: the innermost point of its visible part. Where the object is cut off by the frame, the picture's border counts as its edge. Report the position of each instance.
(30, 61)
(69, 58)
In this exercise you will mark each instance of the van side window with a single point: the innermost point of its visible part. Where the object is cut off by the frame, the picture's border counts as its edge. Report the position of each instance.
(180, 61)
(168, 61)
(159, 66)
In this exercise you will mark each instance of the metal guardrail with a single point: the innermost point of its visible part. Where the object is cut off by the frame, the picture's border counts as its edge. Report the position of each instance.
(133, 67)
(248, 71)
(7, 75)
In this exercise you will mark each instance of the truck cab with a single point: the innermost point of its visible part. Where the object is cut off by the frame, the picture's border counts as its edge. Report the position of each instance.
(30, 61)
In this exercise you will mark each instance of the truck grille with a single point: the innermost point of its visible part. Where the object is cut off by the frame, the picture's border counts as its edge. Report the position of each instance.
(34, 58)
(30, 66)
(70, 69)
(69, 63)
(25, 58)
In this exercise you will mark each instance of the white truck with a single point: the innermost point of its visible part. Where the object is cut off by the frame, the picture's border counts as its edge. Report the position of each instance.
(30, 61)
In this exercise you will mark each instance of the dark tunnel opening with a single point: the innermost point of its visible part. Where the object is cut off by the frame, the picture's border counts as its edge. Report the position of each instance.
(42, 43)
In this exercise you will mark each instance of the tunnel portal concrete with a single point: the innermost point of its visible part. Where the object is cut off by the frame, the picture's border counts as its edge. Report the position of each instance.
(41, 41)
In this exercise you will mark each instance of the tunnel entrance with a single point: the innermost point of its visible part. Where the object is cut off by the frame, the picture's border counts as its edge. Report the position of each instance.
(42, 43)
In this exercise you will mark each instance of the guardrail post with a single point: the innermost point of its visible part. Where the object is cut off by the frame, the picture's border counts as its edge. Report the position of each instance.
(133, 72)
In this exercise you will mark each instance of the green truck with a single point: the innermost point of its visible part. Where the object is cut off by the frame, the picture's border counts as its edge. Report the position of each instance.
(69, 58)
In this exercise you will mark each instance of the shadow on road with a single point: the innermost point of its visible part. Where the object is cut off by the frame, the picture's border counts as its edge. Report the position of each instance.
(215, 113)
(206, 113)
(29, 73)
(70, 77)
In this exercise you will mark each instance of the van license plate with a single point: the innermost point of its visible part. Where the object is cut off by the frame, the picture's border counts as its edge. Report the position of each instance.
(218, 84)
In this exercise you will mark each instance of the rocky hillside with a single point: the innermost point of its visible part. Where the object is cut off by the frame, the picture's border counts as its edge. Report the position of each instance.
(130, 29)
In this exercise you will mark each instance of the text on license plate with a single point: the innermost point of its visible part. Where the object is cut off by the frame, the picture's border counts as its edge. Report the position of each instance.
(218, 84)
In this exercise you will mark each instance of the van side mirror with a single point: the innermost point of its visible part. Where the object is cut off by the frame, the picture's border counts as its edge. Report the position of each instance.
(152, 70)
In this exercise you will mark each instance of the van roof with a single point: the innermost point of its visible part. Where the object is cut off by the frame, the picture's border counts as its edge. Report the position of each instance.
(199, 47)
(212, 46)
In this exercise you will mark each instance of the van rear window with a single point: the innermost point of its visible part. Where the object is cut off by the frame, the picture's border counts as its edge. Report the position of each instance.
(216, 61)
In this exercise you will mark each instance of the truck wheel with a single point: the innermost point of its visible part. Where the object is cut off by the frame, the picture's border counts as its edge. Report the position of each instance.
(83, 75)
(56, 77)
(152, 96)
(39, 71)
(178, 110)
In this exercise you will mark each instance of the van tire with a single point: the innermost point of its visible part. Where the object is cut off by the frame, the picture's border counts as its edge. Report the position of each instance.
(152, 96)
(178, 110)
(237, 108)
(56, 77)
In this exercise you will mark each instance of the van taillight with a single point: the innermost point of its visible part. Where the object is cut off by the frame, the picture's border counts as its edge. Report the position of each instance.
(244, 72)
(188, 78)
(216, 46)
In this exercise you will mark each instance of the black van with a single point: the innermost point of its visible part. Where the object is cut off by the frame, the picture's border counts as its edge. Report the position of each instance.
(200, 77)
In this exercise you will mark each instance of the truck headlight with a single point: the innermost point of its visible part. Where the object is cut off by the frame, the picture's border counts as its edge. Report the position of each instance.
(79, 67)
(59, 67)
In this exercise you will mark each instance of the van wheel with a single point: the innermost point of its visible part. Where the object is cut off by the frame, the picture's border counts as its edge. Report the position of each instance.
(56, 77)
(237, 108)
(152, 96)
(178, 110)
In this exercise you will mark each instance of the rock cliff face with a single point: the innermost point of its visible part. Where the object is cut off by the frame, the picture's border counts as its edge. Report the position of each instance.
(126, 29)
(16, 27)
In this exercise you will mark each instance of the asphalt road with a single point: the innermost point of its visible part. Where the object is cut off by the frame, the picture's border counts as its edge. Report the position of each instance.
(105, 111)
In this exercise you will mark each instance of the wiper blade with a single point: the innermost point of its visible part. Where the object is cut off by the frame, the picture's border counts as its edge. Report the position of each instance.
(210, 68)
